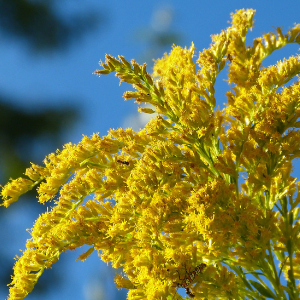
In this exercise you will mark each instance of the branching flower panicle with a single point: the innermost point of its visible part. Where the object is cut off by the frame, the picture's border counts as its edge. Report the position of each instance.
(198, 188)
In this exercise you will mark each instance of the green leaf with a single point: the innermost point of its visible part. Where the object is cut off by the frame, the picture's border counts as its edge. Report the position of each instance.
(295, 213)
(128, 237)
(157, 247)
(261, 289)
(240, 273)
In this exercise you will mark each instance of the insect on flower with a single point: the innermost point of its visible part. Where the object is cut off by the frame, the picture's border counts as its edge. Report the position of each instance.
(230, 58)
(123, 162)
(189, 278)
(189, 293)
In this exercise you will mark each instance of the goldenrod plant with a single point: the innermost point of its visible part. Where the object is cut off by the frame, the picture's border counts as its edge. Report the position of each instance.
(201, 198)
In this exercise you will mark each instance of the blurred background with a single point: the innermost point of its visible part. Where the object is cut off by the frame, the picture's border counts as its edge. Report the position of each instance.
(49, 97)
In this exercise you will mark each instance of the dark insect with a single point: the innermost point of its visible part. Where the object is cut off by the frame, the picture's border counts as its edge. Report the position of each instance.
(189, 293)
(123, 162)
(230, 58)
(189, 278)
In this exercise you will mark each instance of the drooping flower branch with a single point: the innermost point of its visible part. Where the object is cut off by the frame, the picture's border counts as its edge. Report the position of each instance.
(200, 197)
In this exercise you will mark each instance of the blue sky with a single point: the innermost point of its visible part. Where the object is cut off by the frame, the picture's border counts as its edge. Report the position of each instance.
(126, 30)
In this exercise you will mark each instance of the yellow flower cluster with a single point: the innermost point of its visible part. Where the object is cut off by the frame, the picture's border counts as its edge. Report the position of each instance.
(164, 200)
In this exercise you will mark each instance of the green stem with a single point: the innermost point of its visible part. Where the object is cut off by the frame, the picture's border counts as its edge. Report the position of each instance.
(274, 281)
(288, 220)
